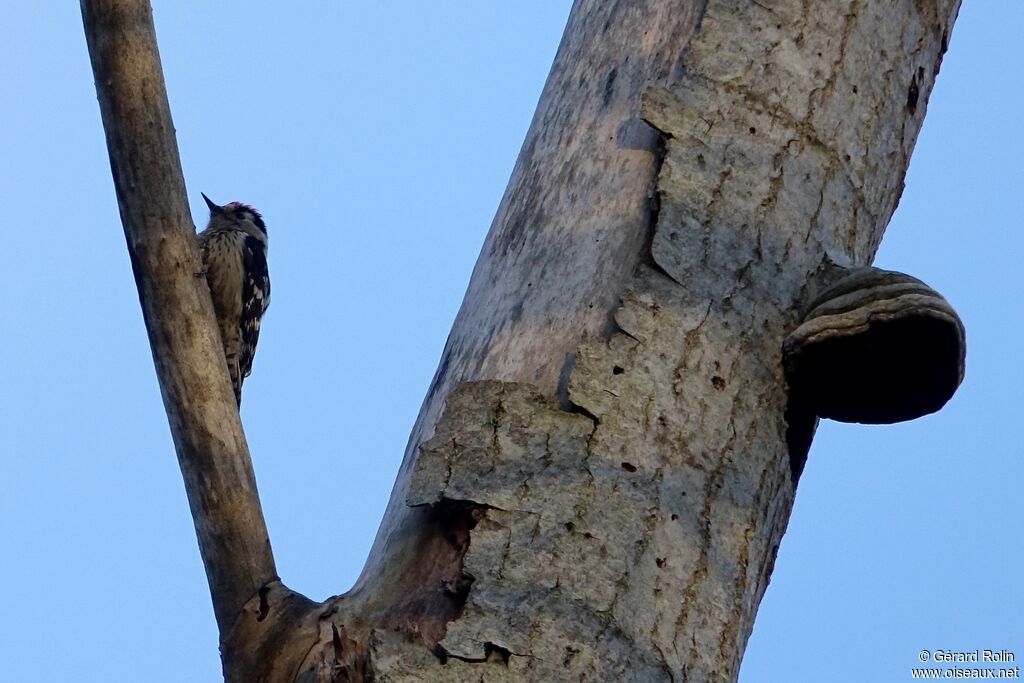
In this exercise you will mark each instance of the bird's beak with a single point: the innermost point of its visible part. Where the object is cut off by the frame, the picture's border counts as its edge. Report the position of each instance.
(213, 207)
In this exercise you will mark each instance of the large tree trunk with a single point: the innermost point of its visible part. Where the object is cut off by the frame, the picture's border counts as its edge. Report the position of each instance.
(603, 468)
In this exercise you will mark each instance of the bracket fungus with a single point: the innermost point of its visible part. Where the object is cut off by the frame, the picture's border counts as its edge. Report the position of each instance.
(876, 347)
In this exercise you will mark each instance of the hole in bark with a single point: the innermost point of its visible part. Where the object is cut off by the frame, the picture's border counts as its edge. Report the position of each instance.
(617, 370)
(718, 383)
(495, 653)
(492, 653)
(674, 517)
(753, 131)
(629, 467)
(569, 526)
(264, 605)
(434, 590)
(660, 562)
(855, 90)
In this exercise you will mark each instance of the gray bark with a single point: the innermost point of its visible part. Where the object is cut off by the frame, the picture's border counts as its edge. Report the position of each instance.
(599, 478)
(207, 432)
(780, 135)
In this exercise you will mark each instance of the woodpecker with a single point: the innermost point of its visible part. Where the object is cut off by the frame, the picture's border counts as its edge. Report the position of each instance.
(234, 250)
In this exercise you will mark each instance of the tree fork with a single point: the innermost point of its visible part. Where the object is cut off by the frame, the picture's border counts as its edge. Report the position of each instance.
(602, 470)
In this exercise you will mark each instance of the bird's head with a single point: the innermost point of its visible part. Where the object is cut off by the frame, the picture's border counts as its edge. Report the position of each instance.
(238, 215)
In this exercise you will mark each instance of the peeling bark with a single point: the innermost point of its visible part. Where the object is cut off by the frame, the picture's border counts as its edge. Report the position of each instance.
(639, 547)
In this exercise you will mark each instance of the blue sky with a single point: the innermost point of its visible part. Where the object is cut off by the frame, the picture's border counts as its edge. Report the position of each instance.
(377, 139)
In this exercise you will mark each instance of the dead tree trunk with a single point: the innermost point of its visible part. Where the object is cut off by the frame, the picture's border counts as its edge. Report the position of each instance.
(605, 463)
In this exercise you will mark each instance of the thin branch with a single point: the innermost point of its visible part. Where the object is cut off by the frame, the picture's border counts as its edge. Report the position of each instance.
(204, 421)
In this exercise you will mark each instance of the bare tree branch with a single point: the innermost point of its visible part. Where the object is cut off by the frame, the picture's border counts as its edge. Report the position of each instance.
(204, 421)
